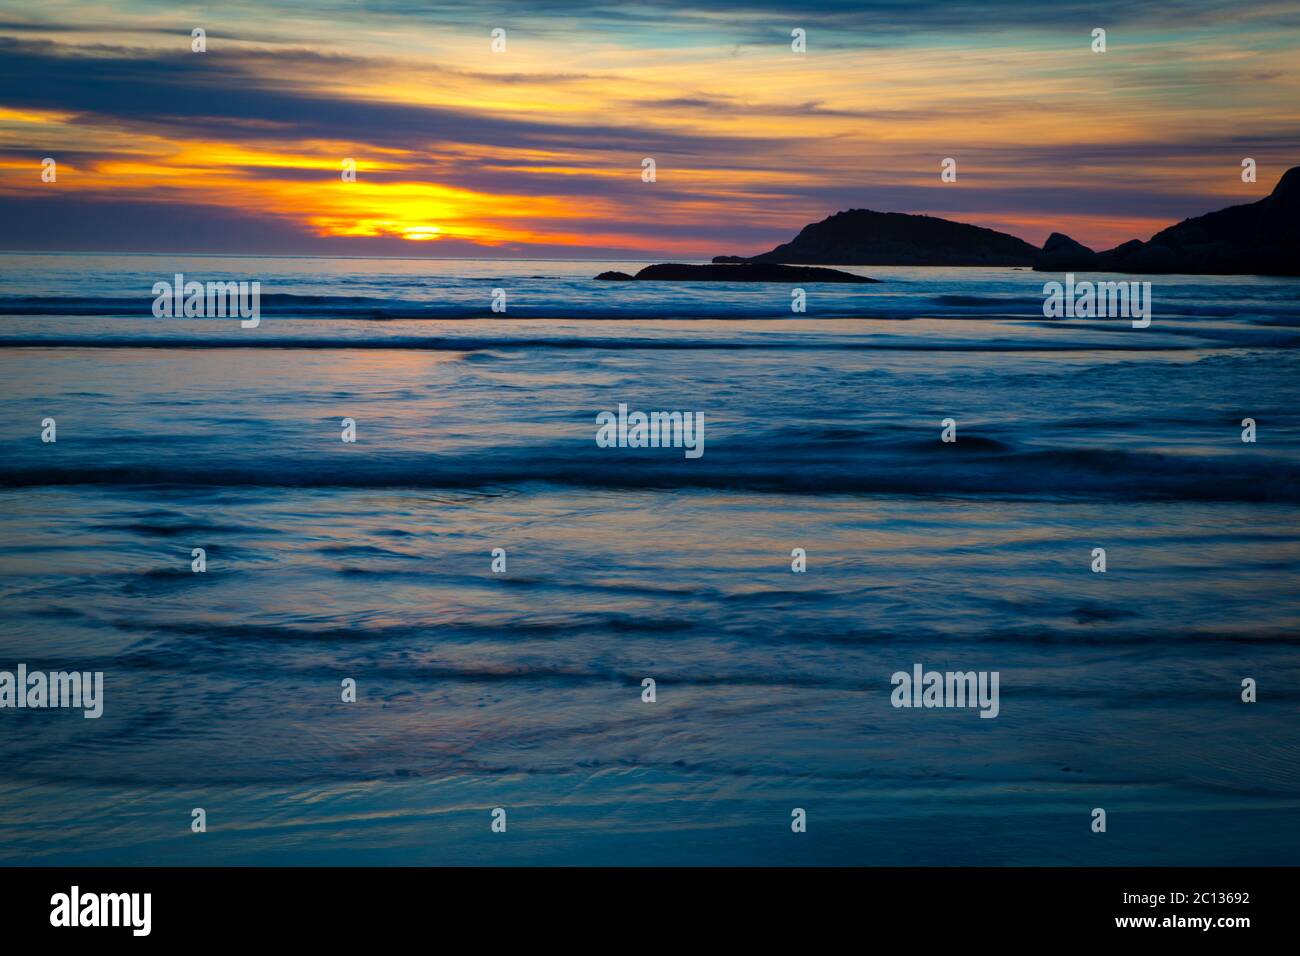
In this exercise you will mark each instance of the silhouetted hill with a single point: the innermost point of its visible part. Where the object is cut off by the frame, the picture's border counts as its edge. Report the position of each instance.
(1259, 238)
(862, 237)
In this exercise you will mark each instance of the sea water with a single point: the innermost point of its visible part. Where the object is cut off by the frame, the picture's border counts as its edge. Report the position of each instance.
(372, 561)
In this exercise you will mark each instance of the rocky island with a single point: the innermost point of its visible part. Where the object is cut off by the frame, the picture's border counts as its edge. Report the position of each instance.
(1259, 238)
(747, 272)
(861, 237)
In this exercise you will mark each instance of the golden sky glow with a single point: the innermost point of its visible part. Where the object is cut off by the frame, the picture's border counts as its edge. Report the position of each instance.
(457, 147)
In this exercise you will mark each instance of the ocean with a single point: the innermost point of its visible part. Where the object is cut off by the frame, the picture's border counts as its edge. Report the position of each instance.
(372, 561)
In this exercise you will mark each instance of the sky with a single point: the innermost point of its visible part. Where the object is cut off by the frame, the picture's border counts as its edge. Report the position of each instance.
(537, 149)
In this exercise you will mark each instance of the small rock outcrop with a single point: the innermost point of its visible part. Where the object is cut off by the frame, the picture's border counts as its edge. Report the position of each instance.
(742, 272)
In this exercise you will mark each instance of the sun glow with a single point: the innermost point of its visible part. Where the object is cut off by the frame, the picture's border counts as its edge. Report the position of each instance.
(543, 146)
(421, 233)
